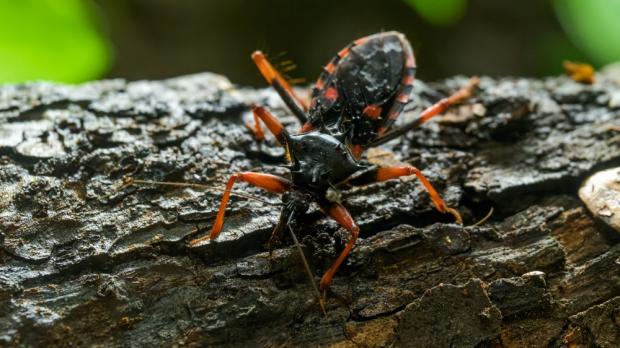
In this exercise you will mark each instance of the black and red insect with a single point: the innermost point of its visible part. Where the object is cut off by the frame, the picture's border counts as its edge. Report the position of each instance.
(355, 101)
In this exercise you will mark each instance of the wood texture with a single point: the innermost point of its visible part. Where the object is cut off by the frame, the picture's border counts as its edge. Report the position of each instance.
(86, 260)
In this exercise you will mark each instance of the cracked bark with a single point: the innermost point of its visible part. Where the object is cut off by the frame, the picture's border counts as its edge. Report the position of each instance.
(85, 260)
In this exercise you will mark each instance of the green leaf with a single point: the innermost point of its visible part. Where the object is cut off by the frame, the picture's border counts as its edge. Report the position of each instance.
(54, 40)
(439, 12)
(594, 26)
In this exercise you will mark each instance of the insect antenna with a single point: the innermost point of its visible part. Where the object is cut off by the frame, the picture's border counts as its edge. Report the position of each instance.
(485, 218)
(131, 181)
(306, 265)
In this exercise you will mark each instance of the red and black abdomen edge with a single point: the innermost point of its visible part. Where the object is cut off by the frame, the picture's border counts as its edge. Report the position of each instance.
(364, 88)
(404, 92)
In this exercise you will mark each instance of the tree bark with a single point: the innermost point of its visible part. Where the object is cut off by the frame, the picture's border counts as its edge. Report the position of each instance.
(87, 260)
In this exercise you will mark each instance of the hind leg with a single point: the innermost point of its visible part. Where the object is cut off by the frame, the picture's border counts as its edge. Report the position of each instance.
(273, 77)
(383, 174)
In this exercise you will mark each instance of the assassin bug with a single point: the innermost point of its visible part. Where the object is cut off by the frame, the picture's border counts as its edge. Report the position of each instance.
(356, 99)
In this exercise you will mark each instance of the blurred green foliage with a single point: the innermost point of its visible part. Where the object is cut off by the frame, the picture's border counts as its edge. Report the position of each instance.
(61, 40)
(594, 26)
(54, 40)
(439, 12)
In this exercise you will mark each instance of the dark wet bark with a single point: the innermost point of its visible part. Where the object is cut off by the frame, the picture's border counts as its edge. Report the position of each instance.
(85, 260)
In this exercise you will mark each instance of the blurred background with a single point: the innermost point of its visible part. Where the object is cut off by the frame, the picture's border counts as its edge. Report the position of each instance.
(80, 40)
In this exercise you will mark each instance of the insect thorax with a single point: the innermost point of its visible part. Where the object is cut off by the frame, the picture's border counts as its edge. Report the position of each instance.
(320, 161)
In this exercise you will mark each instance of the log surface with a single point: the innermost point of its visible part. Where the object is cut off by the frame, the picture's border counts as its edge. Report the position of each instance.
(86, 260)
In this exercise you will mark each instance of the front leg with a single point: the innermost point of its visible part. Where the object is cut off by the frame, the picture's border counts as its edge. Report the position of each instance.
(271, 183)
(383, 174)
(339, 213)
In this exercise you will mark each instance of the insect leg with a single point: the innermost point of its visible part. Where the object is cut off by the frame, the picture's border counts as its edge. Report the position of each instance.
(273, 124)
(383, 174)
(430, 112)
(275, 127)
(256, 128)
(442, 105)
(273, 77)
(271, 183)
(339, 213)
